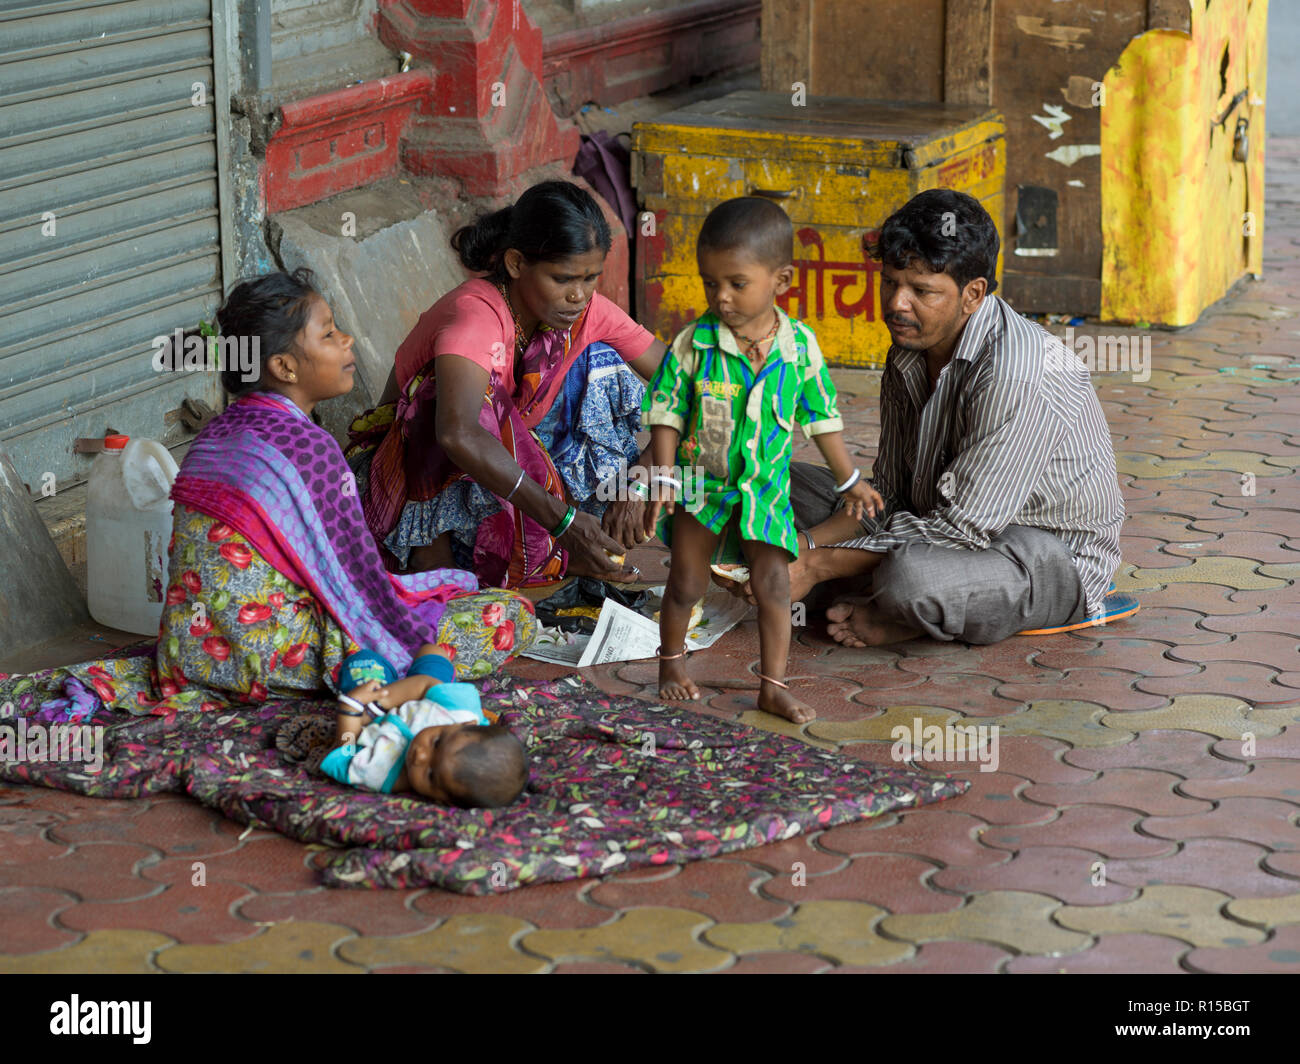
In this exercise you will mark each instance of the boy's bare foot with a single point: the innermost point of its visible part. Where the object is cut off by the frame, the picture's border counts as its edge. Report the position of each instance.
(853, 623)
(675, 685)
(780, 702)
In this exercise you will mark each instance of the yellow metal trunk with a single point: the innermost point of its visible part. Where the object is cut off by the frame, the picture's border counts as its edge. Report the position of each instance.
(1182, 148)
(838, 166)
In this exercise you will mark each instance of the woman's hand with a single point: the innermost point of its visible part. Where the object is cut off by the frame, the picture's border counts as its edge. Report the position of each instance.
(591, 552)
(625, 521)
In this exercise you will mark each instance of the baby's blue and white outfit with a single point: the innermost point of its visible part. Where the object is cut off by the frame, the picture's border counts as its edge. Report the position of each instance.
(376, 759)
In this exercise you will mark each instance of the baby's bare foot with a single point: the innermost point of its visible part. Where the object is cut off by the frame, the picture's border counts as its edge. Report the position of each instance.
(780, 702)
(675, 684)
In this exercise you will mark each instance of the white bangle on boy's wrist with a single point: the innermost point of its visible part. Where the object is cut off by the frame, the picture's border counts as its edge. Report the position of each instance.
(842, 488)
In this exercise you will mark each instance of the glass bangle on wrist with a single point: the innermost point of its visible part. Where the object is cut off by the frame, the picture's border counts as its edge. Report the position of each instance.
(516, 487)
(840, 489)
(640, 489)
(565, 522)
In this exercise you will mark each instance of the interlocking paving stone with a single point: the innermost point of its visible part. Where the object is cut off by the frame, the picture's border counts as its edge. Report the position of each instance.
(1038, 759)
(1143, 790)
(1240, 544)
(938, 957)
(182, 911)
(367, 912)
(1134, 954)
(721, 890)
(1113, 688)
(1149, 553)
(546, 905)
(1009, 661)
(1191, 914)
(1059, 872)
(1212, 600)
(781, 858)
(936, 834)
(1266, 821)
(100, 952)
(94, 871)
(1280, 523)
(1183, 753)
(27, 920)
(182, 828)
(1019, 920)
(1219, 715)
(1284, 864)
(1280, 954)
(970, 695)
(1280, 652)
(1253, 683)
(895, 882)
(1224, 570)
(1270, 742)
(661, 939)
(271, 865)
(1108, 830)
(1073, 721)
(843, 931)
(1266, 779)
(596, 968)
(294, 948)
(478, 943)
(997, 798)
(1141, 656)
(880, 728)
(778, 964)
(1221, 864)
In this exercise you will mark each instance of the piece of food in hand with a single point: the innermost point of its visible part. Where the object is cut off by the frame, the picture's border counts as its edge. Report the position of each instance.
(729, 571)
(697, 615)
(617, 559)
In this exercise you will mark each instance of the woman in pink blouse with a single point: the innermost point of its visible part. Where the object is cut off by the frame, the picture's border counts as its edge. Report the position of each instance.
(511, 402)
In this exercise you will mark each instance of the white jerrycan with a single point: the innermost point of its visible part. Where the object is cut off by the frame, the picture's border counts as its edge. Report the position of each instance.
(128, 527)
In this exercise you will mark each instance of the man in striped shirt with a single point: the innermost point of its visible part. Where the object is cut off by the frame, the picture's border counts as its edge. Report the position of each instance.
(995, 460)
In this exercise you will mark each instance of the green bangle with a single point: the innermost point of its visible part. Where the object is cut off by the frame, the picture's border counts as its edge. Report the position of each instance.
(565, 522)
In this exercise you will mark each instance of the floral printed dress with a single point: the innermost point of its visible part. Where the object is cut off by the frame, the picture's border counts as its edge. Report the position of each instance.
(234, 629)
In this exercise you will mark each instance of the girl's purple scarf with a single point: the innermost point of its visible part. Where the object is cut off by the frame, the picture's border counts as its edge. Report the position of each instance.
(279, 480)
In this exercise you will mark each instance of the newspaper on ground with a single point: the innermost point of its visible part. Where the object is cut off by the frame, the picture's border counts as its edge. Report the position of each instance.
(625, 635)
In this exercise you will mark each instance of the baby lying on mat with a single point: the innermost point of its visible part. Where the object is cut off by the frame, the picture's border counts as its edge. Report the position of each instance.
(421, 733)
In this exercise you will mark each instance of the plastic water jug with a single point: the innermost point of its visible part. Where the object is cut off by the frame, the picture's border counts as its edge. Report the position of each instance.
(128, 527)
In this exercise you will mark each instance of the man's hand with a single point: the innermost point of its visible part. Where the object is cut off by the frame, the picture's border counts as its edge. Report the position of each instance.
(862, 499)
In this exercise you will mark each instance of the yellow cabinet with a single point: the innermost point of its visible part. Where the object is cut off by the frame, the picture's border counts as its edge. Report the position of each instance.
(838, 166)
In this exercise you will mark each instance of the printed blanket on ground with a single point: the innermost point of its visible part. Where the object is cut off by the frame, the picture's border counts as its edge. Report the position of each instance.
(615, 783)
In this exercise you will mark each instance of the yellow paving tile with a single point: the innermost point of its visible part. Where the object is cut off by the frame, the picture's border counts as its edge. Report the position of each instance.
(1284, 717)
(1222, 569)
(1191, 914)
(1213, 714)
(113, 952)
(1288, 571)
(467, 943)
(661, 938)
(293, 947)
(1017, 919)
(1267, 912)
(880, 729)
(1069, 720)
(841, 930)
(1146, 466)
(756, 718)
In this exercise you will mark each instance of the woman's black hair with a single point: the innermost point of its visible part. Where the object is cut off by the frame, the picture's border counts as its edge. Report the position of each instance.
(947, 231)
(551, 221)
(274, 309)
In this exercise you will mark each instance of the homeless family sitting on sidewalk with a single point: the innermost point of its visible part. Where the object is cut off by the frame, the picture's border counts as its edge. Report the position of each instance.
(994, 505)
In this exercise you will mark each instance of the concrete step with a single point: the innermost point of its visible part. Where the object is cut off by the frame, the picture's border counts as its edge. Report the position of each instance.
(301, 76)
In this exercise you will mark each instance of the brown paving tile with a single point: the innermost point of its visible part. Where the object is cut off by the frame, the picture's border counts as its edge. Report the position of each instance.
(1284, 524)
(1284, 864)
(1284, 745)
(271, 864)
(92, 871)
(1134, 954)
(722, 890)
(1037, 759)
(1153, 623)
(1144, 790)
(895, 882)
(935, 958)
(996, 798)
(1149, 553)
(1241, 544)
(1185, 754)
(1072, 876)
(1265, 821)
(781, 858)
(936, 834)
(182, 911)
(1232, 679)
(1280, 652)
(1141, 656)
(1267, 779)
(1210, 599)
(25, 845)
(1222, 864)
(367, 912)
(27, 920)
(971, 695)
(1160, 525)
(1280, 954)
(1008, 661)
(1112, 688)
(1107, 830)
(181, 828)
(597, 968)
(546, 905)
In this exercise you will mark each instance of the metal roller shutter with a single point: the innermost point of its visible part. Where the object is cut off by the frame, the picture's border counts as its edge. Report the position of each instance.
(110, 220)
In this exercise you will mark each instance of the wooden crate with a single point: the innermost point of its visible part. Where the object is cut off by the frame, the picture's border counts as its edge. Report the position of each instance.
(1041, 63)
(839, 167)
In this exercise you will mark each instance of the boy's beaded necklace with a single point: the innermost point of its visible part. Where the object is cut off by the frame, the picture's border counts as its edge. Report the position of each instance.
(752, 346)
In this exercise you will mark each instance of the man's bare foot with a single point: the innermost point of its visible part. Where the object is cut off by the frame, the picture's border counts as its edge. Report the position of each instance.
(854, 624)
(675, 684)
(780, 702)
